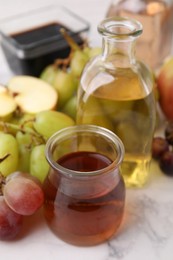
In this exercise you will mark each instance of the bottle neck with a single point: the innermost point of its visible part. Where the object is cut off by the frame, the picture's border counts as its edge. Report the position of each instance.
(118, 53)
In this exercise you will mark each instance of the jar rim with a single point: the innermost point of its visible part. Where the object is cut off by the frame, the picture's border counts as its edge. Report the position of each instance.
(120, 27)
(87, 129)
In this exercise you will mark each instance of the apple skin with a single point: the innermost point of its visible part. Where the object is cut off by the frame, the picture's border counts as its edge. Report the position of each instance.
(165, 88)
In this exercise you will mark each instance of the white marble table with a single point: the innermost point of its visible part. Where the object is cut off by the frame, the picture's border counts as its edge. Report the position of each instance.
(147, 229)
(146, 232)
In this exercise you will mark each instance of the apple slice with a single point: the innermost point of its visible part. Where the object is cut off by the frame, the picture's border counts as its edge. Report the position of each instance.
(7, 102)
(32, 95)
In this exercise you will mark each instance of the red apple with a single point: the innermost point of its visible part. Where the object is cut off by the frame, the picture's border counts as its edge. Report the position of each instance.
(165, 88)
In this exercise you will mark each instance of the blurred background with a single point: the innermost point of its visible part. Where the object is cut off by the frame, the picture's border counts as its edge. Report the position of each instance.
(92, 11)
(158, 23)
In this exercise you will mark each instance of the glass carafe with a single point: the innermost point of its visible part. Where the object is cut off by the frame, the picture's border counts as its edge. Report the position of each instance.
(156, 16)
(116, 92)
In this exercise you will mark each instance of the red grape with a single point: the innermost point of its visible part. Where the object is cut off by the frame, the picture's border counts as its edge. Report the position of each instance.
(166, 163)
(10, 222)
(20, 174)
(162, 149)
(23, 195)
(169, 132)
(159, 146)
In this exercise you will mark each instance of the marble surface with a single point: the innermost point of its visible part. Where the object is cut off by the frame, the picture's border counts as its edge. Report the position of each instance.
(147, 228)
(146, 231)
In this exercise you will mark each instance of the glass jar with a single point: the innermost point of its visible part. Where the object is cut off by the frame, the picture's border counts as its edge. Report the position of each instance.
(156, 16)
(116, 92)
(84, 190)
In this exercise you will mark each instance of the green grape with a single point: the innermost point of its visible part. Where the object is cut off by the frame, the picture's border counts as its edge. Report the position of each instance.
(49, 73)
(94, 114)
(6, 127)
(18, 121)
(64, 82)
(66, 85)
(8, 145)
(70, 107)
(26, 120)
(78, 62)
(79, 56)
(48, 122)
(129, 140)
(17, 115)
(92, 52)
(15, 120)
(25, 145)
(38, 164)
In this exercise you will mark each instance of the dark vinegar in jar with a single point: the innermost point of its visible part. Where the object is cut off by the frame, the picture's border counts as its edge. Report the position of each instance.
(84, 220)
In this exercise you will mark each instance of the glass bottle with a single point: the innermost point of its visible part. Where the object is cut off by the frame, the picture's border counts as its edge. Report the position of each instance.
(84, 189)
(156, 16)
(116, 92)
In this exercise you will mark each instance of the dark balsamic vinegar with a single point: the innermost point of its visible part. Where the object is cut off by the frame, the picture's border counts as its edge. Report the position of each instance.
(38, 34)
(40, 46)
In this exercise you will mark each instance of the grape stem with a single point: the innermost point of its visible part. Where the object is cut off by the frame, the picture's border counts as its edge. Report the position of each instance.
(63, 63)
(23, 129)
(70, 41)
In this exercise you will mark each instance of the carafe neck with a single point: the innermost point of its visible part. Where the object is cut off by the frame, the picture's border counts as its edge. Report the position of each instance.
(118, 53)
(119, 38)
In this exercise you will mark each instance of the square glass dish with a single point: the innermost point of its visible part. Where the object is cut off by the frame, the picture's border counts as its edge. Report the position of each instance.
(30, 41)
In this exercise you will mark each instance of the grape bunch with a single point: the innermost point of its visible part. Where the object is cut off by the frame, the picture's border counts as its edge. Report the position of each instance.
(162, 149)
(24, 132)
(20, 195)
(64, 74)
(23, 165)
(24, 139)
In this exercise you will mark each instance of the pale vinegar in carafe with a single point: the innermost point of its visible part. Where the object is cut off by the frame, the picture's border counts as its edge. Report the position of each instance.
(122, 103)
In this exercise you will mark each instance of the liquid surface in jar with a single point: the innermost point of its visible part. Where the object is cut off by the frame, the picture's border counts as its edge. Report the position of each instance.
(86, 220)
(84, 161)
(38, 34)
(123, 106)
